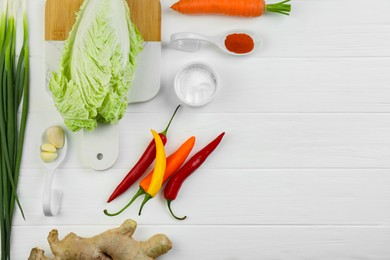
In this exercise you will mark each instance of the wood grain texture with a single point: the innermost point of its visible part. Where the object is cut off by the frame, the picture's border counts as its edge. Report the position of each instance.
(258, 197)
(60, 18)
(364, 32)
(252, 141)
(313, 86)
(146, 15)
(303, 172)
(239, 242)
(331, 29)
(60, 15)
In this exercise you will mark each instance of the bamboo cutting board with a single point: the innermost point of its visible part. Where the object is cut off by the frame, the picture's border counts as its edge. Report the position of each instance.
(60, 15)
(101, 147)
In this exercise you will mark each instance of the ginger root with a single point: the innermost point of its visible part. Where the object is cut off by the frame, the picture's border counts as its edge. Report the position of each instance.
(115, 244)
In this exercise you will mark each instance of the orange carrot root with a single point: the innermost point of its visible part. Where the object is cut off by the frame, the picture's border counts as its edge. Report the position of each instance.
(246, 8)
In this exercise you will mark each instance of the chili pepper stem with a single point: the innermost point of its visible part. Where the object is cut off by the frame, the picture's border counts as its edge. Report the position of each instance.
(147, 197)
(141, 166)
(170, 121)
(170, 210)
(139, 193)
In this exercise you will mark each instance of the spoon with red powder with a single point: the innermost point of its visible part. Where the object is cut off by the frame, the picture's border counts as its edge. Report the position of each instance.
(236, 43)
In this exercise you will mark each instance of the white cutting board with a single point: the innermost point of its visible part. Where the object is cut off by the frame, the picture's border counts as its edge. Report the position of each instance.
(101, 147)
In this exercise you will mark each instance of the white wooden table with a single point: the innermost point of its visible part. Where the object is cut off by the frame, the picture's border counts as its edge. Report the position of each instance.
(303, 171)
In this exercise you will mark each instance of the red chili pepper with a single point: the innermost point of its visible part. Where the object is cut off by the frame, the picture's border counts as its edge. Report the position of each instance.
(174, 184)
(142, 164)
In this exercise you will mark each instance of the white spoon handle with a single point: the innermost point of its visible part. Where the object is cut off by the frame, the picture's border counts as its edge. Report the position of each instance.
(187, 41)
(51, 198)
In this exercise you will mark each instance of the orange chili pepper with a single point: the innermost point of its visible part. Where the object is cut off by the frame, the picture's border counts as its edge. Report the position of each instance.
(174, 161)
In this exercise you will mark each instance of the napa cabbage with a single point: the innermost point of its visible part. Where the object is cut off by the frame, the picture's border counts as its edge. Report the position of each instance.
(97, 65)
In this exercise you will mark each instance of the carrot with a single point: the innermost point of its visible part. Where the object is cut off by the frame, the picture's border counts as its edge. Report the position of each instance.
(247, 8)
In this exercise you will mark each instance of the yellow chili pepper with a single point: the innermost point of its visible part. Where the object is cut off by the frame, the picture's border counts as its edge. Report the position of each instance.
(158, 172)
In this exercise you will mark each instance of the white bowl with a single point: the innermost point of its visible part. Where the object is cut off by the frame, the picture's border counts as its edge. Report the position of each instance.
(196, 84)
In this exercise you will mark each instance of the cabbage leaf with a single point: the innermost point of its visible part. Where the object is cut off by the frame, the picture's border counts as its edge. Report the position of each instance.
(97, 65)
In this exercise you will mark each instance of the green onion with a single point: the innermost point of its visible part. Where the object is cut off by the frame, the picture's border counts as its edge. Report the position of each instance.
(14, 96)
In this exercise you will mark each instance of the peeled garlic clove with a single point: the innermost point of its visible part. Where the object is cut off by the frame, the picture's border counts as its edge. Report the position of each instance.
(56, 136)
(48, 157)
(48, 148)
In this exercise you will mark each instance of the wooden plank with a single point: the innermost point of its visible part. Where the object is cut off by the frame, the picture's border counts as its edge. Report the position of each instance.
(334, 54)
(287, 85)
(220, 197)
(238, 242)
(314, 85)
(251, 140)
(314, 29)
(308, 32)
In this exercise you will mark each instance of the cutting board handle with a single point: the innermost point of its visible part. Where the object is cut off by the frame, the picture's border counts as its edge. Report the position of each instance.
(101, 147)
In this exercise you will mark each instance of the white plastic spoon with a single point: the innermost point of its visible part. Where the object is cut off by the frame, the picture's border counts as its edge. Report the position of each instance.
(51, 199)
(190, 42)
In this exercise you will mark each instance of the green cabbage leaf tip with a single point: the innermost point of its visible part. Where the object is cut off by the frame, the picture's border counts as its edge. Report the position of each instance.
(97, 65)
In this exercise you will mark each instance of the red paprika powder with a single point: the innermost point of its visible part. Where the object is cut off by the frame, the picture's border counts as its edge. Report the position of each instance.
(239, 43)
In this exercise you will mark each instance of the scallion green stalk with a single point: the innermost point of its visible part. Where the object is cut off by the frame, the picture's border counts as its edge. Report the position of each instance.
(14, 96)
(24, 76)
